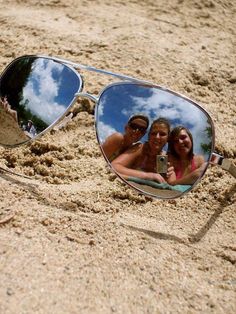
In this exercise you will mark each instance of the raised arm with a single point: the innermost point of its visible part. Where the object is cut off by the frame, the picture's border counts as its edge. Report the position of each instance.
(124, 165)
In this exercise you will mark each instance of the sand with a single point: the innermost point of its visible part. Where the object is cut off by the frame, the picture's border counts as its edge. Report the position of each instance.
(74, 239)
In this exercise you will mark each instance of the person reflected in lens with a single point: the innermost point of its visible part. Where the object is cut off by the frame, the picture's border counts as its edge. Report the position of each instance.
(140, 160)
(188, 167)
(29, 129)
(117, 143)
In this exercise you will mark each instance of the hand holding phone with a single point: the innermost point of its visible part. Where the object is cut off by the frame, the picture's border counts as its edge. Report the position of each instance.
(161, 163)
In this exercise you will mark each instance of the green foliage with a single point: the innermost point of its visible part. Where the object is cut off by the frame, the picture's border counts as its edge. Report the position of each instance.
(12, 86)
(206, 147)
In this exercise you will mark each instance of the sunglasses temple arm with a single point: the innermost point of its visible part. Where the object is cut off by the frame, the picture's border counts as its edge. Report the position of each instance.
(119, 76)
(225, 163)
(101, 71)
(13, 173)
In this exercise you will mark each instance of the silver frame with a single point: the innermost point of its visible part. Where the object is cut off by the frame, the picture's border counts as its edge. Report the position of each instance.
(147, 84)
(124, 80)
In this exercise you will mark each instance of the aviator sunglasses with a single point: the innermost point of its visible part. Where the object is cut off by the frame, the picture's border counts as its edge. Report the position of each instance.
(38, 92)
(136, 127)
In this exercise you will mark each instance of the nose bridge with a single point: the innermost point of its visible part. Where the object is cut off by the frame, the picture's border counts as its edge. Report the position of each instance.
(88, 95)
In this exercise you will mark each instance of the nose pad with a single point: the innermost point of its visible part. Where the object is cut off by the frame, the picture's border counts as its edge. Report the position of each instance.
(79, 107)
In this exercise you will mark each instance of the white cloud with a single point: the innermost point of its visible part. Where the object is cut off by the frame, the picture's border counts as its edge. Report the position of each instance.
(104, 131)
(41, 101)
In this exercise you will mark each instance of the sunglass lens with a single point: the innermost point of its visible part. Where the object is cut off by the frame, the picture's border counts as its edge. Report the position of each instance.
(166, 110)
(34, 93)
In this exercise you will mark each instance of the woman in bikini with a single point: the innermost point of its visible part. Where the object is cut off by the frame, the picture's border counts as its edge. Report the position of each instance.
(187, 166)
(140, 160)
(117, 143)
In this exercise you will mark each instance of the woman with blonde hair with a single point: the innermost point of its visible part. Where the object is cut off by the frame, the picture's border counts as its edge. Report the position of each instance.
(140, 160)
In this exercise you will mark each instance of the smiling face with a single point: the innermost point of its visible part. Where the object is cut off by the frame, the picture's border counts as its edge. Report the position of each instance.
(158, 137)
(183, 144)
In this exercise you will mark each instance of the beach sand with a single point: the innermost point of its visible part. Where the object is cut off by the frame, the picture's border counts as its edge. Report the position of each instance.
(74, 239)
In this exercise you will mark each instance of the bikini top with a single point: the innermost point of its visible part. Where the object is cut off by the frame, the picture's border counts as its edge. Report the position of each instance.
(180, 172)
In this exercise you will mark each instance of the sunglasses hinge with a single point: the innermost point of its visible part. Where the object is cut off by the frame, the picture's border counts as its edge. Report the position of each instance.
(225, 163)
(216, 159)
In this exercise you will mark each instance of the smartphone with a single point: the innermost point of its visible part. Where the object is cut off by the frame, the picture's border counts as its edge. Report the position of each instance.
(161, 162)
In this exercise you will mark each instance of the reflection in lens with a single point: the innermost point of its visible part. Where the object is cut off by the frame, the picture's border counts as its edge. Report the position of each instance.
(38, 91)
(117, 143)
(138, 165)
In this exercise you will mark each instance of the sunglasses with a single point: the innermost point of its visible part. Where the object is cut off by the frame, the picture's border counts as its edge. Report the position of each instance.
(38, 92)
(136, 127)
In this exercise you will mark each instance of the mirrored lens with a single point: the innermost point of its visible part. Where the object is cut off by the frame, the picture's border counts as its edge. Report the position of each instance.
(34, 93)
(172, 155)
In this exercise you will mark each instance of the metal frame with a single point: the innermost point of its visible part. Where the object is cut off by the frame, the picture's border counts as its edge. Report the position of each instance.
(213, 157)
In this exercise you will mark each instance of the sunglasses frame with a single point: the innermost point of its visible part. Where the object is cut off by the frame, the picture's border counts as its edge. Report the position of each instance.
(214, 158)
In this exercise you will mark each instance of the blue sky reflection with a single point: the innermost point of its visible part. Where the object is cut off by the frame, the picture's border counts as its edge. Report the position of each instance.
(49, 90)
(119, 102)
